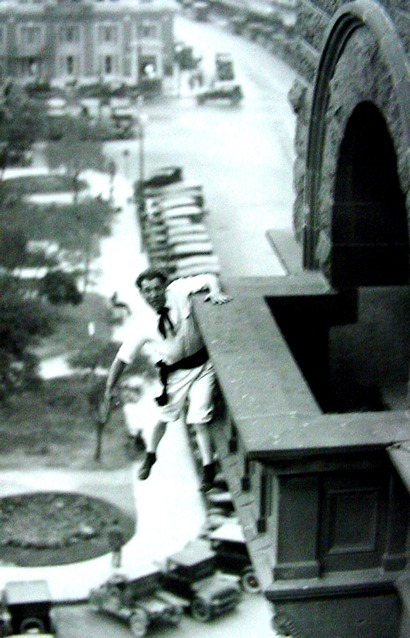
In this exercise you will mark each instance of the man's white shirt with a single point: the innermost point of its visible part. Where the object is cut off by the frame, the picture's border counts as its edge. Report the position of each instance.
(187, 339)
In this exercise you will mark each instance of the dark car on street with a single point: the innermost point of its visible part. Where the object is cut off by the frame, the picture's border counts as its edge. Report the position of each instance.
(164, 176)
(226, 91)
(192, 574)
(232, 554)
(140, 602)
(26, 608)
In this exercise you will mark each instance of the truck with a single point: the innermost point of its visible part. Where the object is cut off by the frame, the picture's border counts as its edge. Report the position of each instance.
(232, 554)
(223, 85)
(191, 574)
(138, 601)
(26, 608)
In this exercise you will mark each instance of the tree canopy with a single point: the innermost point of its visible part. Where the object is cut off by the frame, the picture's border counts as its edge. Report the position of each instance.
(22, 323)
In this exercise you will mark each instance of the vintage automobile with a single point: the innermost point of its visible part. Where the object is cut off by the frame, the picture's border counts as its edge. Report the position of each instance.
(192, 575)
(175, 189)
(164, 176)
(232, 554)
(224, 67)
(176, 201)
(230, 91)
(140, 601)
(26, 608)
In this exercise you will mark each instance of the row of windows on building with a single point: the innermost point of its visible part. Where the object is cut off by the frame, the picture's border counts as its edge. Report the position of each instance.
(29, 35)
(70, 65)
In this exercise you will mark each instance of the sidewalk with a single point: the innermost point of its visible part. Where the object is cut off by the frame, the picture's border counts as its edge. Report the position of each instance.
(168, 507)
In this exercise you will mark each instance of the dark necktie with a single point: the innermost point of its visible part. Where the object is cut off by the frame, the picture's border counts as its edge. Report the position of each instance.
(165, 322)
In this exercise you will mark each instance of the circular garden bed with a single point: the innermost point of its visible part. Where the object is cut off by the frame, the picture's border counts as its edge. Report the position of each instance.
(56, 528)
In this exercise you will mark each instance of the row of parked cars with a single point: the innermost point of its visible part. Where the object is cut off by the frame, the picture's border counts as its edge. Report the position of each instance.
(174, 225)
(205, 578)
(187, 581)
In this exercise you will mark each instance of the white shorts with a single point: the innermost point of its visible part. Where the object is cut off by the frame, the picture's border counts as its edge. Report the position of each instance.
(196, 386)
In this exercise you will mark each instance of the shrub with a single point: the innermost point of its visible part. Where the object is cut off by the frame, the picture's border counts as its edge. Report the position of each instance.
(60, 288)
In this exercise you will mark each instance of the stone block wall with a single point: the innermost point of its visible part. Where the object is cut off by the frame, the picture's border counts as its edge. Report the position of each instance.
(361, 75)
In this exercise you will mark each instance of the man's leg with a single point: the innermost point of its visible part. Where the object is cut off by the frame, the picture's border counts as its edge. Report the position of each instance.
(150, 456)
(204, 442)
(203, 438)
(200, 413)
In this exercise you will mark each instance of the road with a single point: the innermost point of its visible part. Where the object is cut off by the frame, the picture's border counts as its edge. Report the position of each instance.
(250, 619)
(243, 155)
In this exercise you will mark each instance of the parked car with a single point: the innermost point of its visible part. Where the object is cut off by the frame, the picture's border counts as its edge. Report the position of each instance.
(230, 91)
(26, 608)
(192, 575)
(165, 202)
(224, 66)
(190, 212)
(164, 176)
(174, 189)
(215, 517)
(140, 601)
(232, 555)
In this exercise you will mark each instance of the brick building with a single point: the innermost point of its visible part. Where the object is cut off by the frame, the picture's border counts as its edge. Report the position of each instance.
(84, 41)
(313, 429)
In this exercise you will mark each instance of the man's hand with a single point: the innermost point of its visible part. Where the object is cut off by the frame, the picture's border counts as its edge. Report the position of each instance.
(217, 297)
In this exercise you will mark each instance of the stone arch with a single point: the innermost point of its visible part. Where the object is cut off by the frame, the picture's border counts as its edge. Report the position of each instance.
(362, 34)
(369, 223)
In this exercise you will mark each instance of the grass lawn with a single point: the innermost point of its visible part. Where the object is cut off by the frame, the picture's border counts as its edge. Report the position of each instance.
(43, 184)
(53, 428)
(72, 326)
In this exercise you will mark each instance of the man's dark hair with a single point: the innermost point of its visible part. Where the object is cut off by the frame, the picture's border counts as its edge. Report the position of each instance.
(149, 274)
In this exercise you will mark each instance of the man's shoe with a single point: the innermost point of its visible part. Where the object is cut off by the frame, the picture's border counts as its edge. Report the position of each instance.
(145, 469)
(208, 475)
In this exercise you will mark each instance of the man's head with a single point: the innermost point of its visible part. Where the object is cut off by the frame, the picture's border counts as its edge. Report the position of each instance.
(152, 284)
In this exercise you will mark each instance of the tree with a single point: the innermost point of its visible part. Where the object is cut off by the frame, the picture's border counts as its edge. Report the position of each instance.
(97, 353)
(22, 323)
(60, 288)
(75, 151)
(13, 248)
(22, 122)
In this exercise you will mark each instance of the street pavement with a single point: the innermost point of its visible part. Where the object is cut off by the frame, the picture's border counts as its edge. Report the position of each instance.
(169, 508)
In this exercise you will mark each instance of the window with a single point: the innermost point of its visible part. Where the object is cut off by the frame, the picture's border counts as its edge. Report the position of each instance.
(148, 67)
(147, 30)
(107, 33)
(127, 66)
(71, 33)
(108, 65)
(30, 35)
(69, 66)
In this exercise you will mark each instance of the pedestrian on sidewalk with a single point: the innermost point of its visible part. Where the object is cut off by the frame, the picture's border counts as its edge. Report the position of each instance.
(185, 370)
(115, 543)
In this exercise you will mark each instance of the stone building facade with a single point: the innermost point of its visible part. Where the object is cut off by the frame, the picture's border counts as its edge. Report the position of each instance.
(353, 61)
(85, 41)
(313, 429)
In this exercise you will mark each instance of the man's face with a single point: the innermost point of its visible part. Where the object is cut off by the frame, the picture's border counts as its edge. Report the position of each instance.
(153, 291)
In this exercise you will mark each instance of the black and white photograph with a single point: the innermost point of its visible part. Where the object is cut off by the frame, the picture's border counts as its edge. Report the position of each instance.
(205, 318)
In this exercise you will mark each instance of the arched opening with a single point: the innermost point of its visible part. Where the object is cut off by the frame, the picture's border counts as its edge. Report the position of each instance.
(369, 223)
